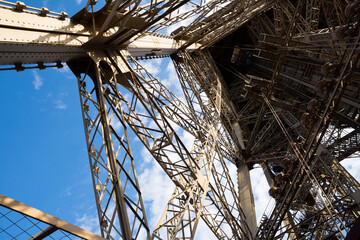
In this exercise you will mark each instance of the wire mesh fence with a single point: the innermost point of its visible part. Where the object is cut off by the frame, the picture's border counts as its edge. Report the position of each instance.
(17, 226)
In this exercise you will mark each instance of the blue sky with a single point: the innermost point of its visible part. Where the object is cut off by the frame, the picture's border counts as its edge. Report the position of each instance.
(42, 141)
(44, 161)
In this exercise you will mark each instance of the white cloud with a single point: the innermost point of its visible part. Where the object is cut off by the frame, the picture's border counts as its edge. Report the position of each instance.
(352, 165)
(156, 190)
(115, 123)
(146, 156)
(89, 222)
(152, 66)
(37, 82)
(59, 104)
(187, 139)
(171, 81)
(58, 100)
(203, 232)
(64, 69)
(78, 1)
(68, 191)
(260, 189)
(185, 22)
(172, 72)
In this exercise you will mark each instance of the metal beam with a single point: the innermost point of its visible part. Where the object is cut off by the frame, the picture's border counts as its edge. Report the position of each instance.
(44, 233)
(47, 218)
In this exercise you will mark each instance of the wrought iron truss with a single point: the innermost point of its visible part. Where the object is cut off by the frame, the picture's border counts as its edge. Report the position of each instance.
(269, 82)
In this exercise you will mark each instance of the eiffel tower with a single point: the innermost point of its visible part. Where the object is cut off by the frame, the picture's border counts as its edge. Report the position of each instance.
(267, 82)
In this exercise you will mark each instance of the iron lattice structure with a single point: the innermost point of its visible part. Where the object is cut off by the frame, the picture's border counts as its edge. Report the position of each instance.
(269, 82)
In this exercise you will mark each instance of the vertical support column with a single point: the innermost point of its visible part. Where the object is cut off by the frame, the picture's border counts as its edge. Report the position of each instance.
(246, 196)
(119, 195)
(116, 202)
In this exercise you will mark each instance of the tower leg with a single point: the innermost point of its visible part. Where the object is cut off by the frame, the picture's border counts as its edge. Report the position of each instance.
(118, 197)
(246, 197)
